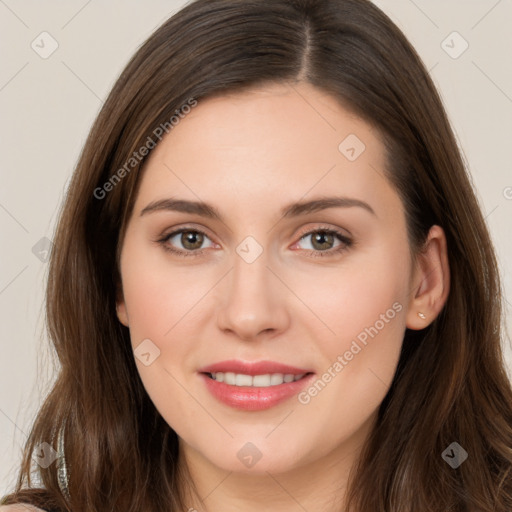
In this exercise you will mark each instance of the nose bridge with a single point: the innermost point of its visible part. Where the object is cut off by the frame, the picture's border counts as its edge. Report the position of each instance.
(253, 302)
(250, 279)
(250, 272)
(250, 284)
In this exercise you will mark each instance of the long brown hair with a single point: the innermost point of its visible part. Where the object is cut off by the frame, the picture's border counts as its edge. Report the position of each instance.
(450, 384)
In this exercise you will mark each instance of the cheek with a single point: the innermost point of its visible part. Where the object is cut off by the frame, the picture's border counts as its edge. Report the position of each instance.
(160, 299)
(357, 294)
(161, 304)
(364, 308)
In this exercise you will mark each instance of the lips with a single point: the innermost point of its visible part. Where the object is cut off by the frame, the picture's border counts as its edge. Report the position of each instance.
(254, 386)
(253, 368)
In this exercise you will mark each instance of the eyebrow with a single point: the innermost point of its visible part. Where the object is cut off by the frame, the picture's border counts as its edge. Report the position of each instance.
(293, 210)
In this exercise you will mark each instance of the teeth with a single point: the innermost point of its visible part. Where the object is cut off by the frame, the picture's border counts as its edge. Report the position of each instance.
(243, 380)
(230, 378)
(259, 381)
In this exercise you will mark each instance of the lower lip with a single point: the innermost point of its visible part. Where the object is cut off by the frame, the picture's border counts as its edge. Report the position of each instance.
(249, 398)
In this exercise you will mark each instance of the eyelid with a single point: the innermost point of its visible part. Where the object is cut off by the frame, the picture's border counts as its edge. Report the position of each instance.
(324, 227)
(167, 233)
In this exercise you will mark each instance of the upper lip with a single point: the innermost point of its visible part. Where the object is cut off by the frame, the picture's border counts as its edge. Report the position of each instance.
(253, 368)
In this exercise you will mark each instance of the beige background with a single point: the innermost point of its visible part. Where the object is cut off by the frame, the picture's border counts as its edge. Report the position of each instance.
(48, 105)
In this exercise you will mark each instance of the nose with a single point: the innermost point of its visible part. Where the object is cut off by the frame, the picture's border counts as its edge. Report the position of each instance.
(253, 301)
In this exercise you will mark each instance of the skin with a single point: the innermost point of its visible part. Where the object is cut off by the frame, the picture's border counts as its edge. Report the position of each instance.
(249, 155)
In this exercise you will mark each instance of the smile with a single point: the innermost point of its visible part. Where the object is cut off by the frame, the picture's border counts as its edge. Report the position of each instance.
(254, 392)
(257, 381)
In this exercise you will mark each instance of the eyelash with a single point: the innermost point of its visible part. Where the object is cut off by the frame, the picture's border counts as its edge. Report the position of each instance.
(346, 242)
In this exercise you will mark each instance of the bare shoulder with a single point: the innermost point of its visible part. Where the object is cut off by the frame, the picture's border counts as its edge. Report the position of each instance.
(19, 507)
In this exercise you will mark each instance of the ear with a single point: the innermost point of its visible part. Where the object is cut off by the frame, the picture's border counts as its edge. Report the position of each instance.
(121, 311)
(430, 282)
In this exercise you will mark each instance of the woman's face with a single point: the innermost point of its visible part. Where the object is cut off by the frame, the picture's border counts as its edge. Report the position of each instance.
(301, 259)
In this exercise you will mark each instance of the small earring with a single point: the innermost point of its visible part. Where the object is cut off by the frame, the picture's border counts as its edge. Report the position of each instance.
(422, 315)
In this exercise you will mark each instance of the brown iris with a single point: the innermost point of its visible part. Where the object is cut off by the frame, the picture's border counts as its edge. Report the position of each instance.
(321, 239)
(192, 239)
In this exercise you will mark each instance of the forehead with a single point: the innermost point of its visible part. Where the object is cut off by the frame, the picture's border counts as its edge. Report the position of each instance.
(275, 143)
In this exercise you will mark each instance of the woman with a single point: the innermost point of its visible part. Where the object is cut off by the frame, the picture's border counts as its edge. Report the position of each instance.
(272, 284)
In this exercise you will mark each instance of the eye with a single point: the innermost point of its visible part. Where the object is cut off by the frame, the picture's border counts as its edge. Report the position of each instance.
(324, 242)
(185, 242)
(319, 242)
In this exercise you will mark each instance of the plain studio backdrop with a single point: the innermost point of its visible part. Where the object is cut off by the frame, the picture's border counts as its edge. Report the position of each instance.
(59, 61)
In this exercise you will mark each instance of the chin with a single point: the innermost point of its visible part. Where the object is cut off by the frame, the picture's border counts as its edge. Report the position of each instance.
(256, 458)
